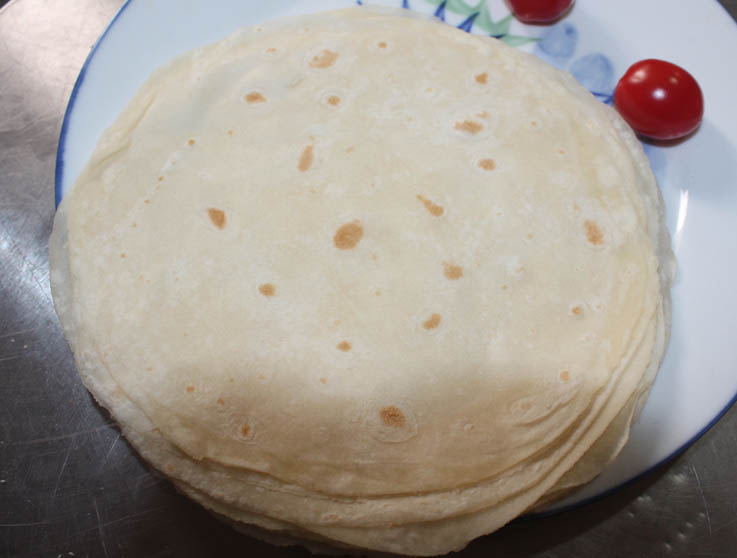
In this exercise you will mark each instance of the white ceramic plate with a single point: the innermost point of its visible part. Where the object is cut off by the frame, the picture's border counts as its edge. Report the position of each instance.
(597, 41)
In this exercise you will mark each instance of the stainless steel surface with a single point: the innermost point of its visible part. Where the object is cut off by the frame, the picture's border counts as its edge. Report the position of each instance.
(69, 486)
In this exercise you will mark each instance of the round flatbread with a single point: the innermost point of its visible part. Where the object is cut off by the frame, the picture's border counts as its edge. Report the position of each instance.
(367, 277)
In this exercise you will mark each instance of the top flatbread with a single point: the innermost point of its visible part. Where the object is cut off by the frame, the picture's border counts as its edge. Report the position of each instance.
(370, 261)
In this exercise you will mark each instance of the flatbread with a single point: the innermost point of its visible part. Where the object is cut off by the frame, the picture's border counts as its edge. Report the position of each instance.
(366, 277)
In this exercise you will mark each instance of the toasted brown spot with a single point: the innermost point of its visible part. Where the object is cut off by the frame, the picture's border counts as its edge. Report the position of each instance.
(482, 78)
(432, 322)
(593, 233)
(190, 142)
(149, 369)
(190, 389)
(577, 310)
(453, 271)
(382, 44)
(378, 293)
(306, 158)
(267, 289)
(146, 201)
(504, 287)
(133, 225)
(348, 235)
(349, 149)
(217, 216)
(230, 132)
(433, 208)
(482, 114)
(533, 123)
(469, 126)
(392, 416)
(122, 255)
(246, 430)
(271, 49)
(530, 236)
(487, 164)
(220, 401)
(565, 375)
(323, 380)
(344, 346)
(334, 100)
(161, 179)
(562, 151)
(324, 60)
(255, 97)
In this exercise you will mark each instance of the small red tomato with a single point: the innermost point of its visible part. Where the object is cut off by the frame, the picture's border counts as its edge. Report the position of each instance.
(539, 11)
(659, 100)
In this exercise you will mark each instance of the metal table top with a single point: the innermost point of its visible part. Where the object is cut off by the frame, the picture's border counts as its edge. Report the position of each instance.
(69, 486)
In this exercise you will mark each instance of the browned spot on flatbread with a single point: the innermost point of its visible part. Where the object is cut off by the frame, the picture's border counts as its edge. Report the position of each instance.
(487, 164)
(217, 216)
(433, 208)
(382, 44)
(146, 201)
(270, 50)
(593, 233)
(133, 225)
(122, 255)
(482, 114)
(245, 430)
(565, 376)
(348, 235)
(577, 310)
(306, 158)
(452, 271)
(190, 389)
(191, 142)
(482, 78)
(469, 126)
(267, 289)
(324, 60)
(255, 97)
(334, 100)
(344, 346)
(230, 132)
(432, 322)
(161, 179)
(220, 401)
(323, 380)
(392, 416)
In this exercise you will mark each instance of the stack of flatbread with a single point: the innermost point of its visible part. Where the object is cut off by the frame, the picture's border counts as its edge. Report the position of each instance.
(362, 278)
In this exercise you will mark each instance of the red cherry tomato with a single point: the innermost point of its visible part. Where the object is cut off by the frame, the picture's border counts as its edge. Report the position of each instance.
(659, 100)
(539, 11)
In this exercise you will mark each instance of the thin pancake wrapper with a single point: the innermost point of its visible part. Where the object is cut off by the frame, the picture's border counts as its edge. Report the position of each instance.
(356, 270)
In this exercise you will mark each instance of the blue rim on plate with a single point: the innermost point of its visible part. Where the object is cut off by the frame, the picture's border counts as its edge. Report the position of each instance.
(59, 171)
